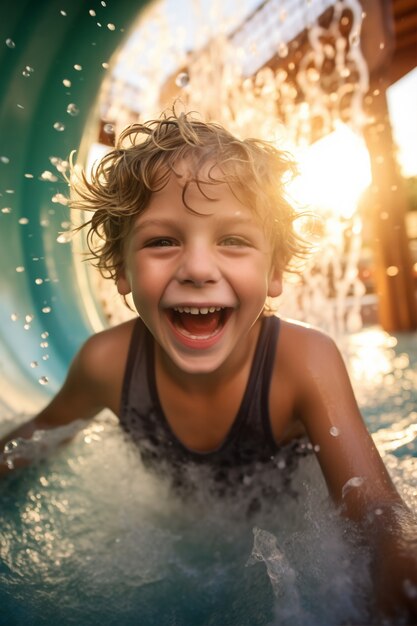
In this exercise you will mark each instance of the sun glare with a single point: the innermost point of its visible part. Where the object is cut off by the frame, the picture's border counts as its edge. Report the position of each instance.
(334, 172)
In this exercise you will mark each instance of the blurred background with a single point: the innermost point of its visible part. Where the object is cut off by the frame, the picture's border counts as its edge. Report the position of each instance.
(333, 82)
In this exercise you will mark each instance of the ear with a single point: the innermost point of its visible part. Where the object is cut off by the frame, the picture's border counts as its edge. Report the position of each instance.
(123, 284)
(275, 283)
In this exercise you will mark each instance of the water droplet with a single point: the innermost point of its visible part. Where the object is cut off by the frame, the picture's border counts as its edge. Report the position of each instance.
(45, 335)
(10, 446)
(44, 344)
(29, 318)
(46, 309)
(28, 175)
(99, 24)
(20, 269)
(23, 220)
(43, 380)
(60, 199)
(26, 327)
(38, 281)
(6, 209)
(10, 43)
(316, 448)
(64, 13)
(72, 109)
(108, 128)
(5, 159)
(334, 431)
(14, 317)
(282, 50)
(66, 82)
(105, 66)
(352, 483)
(59, 126)
(378, 511)
(182, 79)
(45, 357)
(78, 67)
(354, 38)
(392, 270)
(92, 12)
(63, 238)
(34, 364)
(111, 26)
(103, 4)
(47, 175)
(28, 71)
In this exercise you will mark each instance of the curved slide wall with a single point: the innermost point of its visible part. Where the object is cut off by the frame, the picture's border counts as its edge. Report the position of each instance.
(40, 43)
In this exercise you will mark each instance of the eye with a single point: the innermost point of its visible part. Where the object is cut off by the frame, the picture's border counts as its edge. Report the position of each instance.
(234, 241)
(161, 242)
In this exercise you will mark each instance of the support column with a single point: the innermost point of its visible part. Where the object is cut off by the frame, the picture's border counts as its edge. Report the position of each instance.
(393, 265)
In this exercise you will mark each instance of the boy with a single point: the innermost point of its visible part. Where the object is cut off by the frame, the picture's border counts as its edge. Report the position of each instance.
(194, 224)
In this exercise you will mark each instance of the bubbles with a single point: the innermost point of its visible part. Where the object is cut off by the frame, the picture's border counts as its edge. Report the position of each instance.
(105, 66)
(108, 129)
(66, 82)
(63, 13)
(72, 109)
(10, 43)
(5, 160)
(111, 26)
(14, 317)
(182, 79)
(45, 335)
(44, 344)
(334, 431)
(46, 309)
(33, 364)
(410, 589)
(6, 209)
(20, 269)
(78, 67)
(38, 281)
(28, 318)
(23, 221)
(43, 380)
(10, 446)
(92, 13)
(59, 126)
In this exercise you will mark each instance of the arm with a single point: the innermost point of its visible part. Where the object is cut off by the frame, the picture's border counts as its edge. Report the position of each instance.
(355, 474)
(84, 393)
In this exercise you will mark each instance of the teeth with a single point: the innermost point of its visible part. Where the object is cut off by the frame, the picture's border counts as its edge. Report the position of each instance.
(197, 310)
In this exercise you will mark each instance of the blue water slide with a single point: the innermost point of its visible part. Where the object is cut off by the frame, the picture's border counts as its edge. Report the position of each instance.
(43, 317)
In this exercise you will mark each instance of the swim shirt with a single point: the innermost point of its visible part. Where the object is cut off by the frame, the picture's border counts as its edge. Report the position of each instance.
(249, 442)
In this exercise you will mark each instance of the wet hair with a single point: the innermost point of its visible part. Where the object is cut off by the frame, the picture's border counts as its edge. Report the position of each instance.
(146, 155)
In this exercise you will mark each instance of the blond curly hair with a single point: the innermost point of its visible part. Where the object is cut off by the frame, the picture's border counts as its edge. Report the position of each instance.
(145, 156)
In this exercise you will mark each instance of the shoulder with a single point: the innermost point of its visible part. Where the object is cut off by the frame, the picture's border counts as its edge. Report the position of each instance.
(104, 354)
(308, 354)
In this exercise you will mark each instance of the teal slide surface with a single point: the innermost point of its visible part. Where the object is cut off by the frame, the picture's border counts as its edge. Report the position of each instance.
(43, 318)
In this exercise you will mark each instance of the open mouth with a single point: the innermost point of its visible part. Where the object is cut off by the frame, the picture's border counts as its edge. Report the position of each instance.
(199, 322)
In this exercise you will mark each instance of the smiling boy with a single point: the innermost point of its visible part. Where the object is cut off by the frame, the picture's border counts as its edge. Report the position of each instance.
(194, 224)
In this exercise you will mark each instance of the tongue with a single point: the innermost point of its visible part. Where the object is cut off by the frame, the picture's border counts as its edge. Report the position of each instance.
(200, 324)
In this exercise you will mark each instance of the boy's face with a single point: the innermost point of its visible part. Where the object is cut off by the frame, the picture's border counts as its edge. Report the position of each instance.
(199, 281)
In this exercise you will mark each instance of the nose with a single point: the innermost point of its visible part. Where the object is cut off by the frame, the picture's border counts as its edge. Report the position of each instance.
(198, 265)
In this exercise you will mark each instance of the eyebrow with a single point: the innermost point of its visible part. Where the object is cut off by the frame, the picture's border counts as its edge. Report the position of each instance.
(173, 222)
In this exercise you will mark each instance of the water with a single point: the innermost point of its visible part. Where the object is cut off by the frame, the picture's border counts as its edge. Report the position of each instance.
(89, 537)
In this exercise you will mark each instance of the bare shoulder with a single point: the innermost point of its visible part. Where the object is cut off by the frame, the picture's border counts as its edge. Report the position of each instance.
(304, 346)
(104, 354)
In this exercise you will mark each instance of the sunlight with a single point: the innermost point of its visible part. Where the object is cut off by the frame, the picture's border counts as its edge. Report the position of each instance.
(334, 172)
